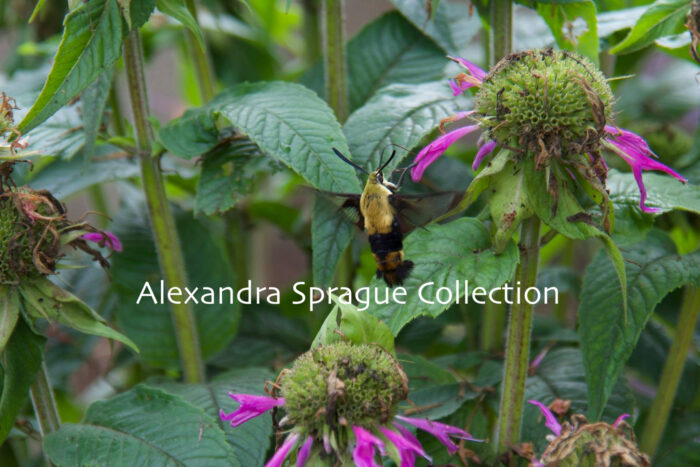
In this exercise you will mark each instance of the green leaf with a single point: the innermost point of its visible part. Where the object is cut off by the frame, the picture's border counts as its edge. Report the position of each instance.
(663, 192)
(9, 313)
(390, 50)
(192, 134)
(178, 10)
(662, 18)
(561, 375)
(610, 22)
(150, 324)
(356, 326)
(250, 441)
(20, 362)
(451, 25)
(400, 114)
(65, 178)
(607, 337)
(140, 11)
(561, 15)
(44, 299)
(143, 423)
(91, 42)
(445, 255)
(93, 101)
(228, 173)
(293, 125)
(330, 236)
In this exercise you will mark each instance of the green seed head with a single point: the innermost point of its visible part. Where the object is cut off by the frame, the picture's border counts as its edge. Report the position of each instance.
(591, 444)
(343, 385)
(545, 102)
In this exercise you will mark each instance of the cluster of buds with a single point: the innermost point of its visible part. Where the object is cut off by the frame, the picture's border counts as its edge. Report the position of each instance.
(341, 408)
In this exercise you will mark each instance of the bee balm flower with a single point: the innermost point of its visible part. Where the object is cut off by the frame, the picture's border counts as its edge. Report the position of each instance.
(341, 401)
(551, 107)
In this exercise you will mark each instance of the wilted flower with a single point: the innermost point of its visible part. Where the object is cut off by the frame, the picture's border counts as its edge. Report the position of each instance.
(552, 108)
(342, 401)
(582, 443)
(34, 230)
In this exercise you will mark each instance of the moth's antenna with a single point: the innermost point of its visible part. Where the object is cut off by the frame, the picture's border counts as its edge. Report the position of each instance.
(381, 169)
(345, 159)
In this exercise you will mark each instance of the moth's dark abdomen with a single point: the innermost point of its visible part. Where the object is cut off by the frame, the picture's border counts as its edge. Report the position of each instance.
(387, 249)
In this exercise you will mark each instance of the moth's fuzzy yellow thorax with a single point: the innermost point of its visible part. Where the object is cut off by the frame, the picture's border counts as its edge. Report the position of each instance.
(375, 206)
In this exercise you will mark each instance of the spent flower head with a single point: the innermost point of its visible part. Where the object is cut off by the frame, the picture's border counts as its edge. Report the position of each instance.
(546, 114)
(34, 230)
(579, 443)
(341, 408)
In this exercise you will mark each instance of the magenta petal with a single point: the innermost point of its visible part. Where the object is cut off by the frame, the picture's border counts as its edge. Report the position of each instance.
(283, 451)
(550, 420)
(409, 436)
(363, 454)
(251, 407)
(104, 238)
(441, 431)
(620, 419)
(476, 71)
(432, 151)
(304, 451)
(483, 151)
(408, 446)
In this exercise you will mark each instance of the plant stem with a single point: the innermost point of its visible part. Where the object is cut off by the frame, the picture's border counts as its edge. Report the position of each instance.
(518, 341)
(165, 234)
(311, 31)
(673, 370)
(500, 44)
(202, 64)
(44, 403)
(115, 105)
(237, 245)
(501, 29)
(334, 57)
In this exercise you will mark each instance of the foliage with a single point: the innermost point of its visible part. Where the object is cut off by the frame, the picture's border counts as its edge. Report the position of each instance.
(256, 196)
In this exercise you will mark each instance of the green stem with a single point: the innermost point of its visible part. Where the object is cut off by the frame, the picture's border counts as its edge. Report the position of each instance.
(166, 238)
(500, 44)
(334, 57)
(115, 105)
(501, 29)
(44, 403)
(673, 370)
(518, 341)
(202, 64)
(99, 204)
(337, 94)
(237, 245)
(311, 31)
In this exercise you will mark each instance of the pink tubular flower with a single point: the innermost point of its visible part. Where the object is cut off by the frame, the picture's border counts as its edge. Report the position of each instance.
(104, 238)
(483, 151)
(304, 451)
(431, 152)
(251, 406)
(635, 151)
(440, 430)
(464, 82)
(620, 419)
(367, 440)
(363, 454)
(550, 420)
(283, 451)
(407, 445)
